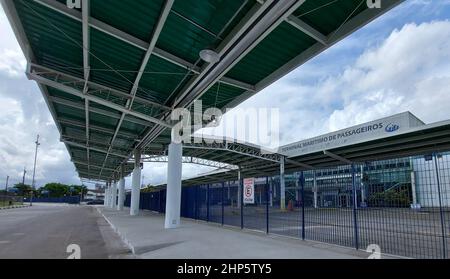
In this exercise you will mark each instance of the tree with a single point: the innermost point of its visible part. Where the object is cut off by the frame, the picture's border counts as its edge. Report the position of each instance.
(23, 189)
(78, 190)
(55, 190)
(149, 189)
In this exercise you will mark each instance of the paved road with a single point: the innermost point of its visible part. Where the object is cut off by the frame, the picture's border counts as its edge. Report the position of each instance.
(45, 231)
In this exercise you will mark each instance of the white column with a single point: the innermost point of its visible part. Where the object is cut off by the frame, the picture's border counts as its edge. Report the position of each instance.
(106, 198)
(121, 198)
(110, 203)
(414, 204)
(136, 184)
(114, 195)
(282, 186)
(413, 188)
(173, 194)
(315, 189)
(110, 192)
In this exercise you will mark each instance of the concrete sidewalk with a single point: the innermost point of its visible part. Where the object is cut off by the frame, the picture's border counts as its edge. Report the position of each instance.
(146, 236)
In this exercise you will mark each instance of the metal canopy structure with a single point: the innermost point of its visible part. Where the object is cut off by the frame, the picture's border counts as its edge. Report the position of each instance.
(224, 154)
(112, 71)
(422, 140)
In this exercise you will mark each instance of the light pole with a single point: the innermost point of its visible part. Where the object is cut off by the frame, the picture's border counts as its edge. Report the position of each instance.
(23, 177)
(34, 169)
(35, 158)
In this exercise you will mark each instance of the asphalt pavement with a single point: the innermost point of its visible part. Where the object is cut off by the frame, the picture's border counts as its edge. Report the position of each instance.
(45, 231)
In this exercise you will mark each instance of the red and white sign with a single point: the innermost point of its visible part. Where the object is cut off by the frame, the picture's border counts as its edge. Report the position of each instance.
(249, 190)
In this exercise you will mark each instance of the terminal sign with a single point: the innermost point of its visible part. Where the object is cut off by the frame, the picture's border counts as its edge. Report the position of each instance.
(249, 190)
(377, 129)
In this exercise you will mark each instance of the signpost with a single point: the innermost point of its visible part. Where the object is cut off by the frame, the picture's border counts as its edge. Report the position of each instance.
(249, 191)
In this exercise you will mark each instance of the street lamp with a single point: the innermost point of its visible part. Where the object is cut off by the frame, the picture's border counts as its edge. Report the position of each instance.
(35, 158)
(34, 169)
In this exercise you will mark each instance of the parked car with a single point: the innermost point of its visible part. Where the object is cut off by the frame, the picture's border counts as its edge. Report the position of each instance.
(95, 202)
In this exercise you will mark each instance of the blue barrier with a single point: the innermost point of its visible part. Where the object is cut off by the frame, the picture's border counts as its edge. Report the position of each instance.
(71, 200)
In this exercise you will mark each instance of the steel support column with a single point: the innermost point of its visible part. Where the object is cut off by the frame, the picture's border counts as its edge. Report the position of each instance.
(222, 204)
(315, 189)
(208, 186)
(441, 212)
(302, 187)
(282, 186)
(267, 204)
(136, 184)
(173, 194)
(271, 191)
(241, 197)
(239, 193)
(355, 220)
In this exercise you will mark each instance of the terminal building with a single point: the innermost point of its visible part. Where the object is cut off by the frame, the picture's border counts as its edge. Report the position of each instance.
(398, 181)
(401, 182)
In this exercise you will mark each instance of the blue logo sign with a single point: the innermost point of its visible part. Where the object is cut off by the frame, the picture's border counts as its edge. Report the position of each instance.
(391, 128)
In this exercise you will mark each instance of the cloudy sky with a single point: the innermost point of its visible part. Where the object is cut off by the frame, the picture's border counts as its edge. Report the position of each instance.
(400, 62)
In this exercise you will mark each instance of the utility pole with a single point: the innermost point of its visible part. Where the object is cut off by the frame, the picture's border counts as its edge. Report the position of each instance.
(23, 178)
(35, 157)
(6, 188)
(34, 169)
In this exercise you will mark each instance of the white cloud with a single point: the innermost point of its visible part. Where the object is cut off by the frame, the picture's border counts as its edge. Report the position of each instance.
(12, 62)
(409, 70)
(23, 115)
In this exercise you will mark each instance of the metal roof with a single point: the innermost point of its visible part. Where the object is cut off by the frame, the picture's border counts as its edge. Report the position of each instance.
(112, 71)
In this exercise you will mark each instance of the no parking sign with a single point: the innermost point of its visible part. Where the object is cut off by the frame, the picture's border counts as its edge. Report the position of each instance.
(249, 190)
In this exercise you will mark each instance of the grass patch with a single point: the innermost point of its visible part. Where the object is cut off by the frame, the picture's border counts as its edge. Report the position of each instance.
(6, 203)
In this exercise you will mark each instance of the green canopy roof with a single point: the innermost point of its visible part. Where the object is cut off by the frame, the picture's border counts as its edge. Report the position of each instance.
(112, 71)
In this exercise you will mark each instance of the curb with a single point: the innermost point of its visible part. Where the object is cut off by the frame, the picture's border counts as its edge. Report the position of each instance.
(127, 243)
(13, 207)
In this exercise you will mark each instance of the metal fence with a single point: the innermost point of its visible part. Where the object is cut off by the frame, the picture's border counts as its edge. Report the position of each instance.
(10, 200)
(401, 205)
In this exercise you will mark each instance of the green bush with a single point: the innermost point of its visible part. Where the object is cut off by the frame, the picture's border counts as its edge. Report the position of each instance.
(390, 198)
